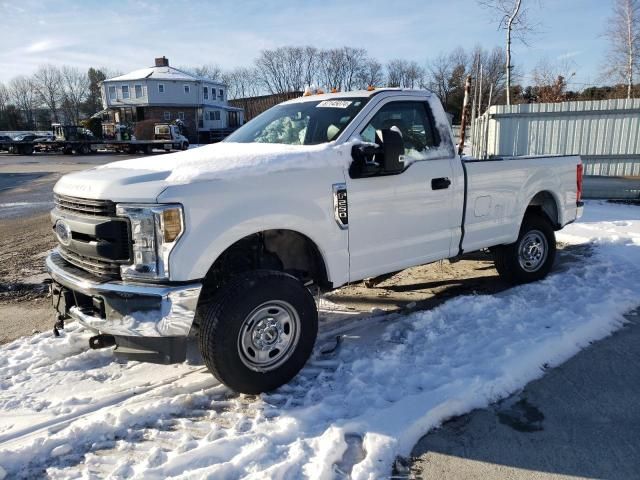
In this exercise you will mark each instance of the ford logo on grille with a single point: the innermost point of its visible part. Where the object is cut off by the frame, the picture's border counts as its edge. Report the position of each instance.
(63, 232)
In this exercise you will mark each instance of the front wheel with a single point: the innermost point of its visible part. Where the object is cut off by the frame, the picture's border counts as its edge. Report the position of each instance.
(531, 257)
(258, 331)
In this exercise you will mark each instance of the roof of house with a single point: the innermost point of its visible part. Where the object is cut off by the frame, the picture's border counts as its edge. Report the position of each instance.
(160, 73)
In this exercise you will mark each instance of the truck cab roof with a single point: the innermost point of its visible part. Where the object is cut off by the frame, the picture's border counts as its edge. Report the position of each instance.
(360, 94)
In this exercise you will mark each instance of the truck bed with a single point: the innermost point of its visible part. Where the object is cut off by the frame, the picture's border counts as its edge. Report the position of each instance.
(498, 190)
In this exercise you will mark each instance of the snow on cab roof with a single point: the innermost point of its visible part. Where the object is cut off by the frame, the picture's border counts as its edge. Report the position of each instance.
(160, 73)
(358, 93)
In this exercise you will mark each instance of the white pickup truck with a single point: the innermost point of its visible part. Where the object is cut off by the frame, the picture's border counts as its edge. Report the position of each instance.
(223, 243)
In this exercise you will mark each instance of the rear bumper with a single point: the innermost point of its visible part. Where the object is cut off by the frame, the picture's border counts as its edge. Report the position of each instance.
(579, 209)
(125, 309)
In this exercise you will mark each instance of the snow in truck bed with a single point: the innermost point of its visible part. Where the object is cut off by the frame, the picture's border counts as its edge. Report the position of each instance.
(68, 412)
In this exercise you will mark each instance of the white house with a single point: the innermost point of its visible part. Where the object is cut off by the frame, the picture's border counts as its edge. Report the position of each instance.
(165, 93)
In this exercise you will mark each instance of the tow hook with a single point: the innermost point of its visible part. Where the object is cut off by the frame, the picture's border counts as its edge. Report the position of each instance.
(102, 341)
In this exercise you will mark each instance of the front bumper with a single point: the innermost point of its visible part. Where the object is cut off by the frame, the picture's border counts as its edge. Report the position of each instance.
(126, 309)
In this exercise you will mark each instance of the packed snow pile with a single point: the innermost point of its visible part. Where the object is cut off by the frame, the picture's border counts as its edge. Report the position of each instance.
(226, 159)
(68, 412)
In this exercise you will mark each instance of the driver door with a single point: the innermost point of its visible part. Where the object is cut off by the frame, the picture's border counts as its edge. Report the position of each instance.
(405, 218)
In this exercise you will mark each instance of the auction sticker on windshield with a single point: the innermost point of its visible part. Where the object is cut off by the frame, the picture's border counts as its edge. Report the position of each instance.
(334, 104)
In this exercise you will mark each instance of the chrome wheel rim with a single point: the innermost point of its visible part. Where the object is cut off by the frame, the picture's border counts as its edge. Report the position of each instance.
(269, 336)
(533, 251)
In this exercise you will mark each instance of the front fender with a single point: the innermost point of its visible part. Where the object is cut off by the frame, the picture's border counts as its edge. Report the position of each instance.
(218, 214)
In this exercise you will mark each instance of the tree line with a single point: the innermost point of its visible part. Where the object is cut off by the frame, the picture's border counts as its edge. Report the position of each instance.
(51, 95)
(65, 93)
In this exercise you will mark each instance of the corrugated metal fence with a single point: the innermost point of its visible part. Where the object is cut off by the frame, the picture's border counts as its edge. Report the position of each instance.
(606, 133)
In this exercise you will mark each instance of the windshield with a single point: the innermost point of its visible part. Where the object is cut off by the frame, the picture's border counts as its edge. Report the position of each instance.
(302, 123)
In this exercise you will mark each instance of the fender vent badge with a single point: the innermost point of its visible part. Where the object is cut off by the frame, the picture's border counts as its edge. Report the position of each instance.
(340, 205)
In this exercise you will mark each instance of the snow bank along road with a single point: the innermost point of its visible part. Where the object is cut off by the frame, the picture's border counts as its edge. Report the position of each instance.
(360, 402)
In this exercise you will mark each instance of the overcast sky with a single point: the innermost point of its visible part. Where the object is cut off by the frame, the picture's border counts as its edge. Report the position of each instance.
(125, 35)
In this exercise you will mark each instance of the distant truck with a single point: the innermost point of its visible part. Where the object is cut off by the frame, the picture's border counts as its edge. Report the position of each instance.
(74, 139)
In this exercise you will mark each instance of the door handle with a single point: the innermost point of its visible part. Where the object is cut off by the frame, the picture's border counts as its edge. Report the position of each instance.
(440, 183)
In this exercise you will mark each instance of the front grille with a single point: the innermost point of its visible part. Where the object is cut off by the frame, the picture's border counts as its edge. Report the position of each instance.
(101, 268)
(85, 206)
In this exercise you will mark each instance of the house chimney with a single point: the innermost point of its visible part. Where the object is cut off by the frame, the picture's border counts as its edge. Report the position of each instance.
(162, 62)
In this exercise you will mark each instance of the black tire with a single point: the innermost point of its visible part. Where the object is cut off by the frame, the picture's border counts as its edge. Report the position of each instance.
(226, 321)
(517, 263)
(85, 149)
(185, 146)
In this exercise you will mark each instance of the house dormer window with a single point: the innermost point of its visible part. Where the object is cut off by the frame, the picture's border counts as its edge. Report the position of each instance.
(125, 91)
(205, 93)
(138, 90)
(220, 94)
(187, 89)
(112, 92)
(161, 88)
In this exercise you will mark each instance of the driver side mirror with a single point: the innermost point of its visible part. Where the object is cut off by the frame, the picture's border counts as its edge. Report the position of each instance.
(383, 159)
(392, 150)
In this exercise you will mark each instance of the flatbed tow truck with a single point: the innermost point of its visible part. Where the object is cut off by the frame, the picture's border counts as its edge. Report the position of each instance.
(71, 139)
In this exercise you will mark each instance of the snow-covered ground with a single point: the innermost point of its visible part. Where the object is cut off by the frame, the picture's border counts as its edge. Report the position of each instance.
(67, 412)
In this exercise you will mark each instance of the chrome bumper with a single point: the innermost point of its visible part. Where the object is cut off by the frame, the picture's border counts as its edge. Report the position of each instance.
(130, 309)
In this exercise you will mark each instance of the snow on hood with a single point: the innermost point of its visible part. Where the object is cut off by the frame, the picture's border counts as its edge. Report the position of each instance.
(232, 159)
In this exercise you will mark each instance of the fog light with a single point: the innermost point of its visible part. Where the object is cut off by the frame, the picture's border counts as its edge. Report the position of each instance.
(171, 224)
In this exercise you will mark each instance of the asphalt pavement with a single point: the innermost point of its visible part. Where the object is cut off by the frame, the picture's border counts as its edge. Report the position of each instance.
(580, 420)
(26, 181)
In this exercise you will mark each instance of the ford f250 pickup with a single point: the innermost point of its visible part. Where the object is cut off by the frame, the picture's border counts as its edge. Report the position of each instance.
(224, 243)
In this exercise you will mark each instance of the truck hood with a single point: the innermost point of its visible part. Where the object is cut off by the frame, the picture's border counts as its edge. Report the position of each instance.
(143, 179)
(122, 185)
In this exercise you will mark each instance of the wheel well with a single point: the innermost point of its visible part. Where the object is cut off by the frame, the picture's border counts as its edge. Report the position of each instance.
(282, 250)
(545, 204)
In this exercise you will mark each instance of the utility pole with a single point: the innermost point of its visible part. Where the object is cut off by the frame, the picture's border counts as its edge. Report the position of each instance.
(465, 113)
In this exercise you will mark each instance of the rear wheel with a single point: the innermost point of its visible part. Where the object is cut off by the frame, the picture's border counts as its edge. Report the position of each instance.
(531, 257)
(185, 146)
(258, 331)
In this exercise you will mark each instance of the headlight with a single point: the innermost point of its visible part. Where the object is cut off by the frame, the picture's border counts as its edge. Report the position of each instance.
(155, 230)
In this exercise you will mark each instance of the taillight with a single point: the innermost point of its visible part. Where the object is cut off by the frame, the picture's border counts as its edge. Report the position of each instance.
(579, 182)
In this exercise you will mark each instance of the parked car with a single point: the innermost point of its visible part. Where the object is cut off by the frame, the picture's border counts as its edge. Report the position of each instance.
(4, 142)
(225, 242)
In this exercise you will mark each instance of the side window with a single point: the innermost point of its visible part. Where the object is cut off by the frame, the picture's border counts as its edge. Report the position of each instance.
(414, 121)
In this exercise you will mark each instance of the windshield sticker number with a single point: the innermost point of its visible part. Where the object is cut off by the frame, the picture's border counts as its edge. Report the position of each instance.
(334, 104)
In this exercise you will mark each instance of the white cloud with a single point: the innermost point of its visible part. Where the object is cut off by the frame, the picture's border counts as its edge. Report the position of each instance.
(40, 46)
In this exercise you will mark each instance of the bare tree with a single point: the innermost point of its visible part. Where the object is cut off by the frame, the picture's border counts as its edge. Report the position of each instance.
(209, 71)
(23, 95)
(513, 18)
(439, 73)
(355, 60)
(242, 82)
(331, 68)
(48, 83)
(550, 80)
(623, 32)
(76, 90)
(405, 74)
(371, 74)
(285, 69)
(4, 97)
